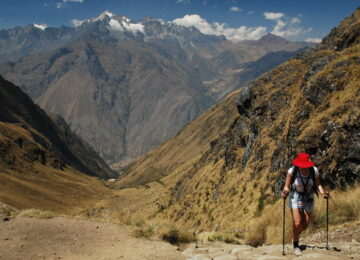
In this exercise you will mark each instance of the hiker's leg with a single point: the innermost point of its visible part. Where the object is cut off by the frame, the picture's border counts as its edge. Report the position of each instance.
(306, 220)
(296, 224)
(303, 220)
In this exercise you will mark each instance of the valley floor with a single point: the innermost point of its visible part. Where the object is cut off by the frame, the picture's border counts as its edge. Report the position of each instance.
(74, 238)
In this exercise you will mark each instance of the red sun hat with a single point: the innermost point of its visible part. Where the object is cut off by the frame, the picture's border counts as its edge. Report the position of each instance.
(302, 160)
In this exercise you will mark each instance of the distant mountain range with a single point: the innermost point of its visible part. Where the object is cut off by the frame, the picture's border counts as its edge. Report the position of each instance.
(126, 87)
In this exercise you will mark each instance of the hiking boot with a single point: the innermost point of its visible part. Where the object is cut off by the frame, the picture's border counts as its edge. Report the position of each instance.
(297, 251)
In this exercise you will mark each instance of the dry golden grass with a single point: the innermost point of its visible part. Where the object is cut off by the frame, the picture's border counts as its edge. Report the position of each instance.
(36, 213)
(344, 206)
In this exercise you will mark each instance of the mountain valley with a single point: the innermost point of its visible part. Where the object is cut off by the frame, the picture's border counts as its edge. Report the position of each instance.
(126, 87)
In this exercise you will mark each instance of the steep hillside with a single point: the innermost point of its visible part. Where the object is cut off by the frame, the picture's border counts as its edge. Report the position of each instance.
(125, 87)
(29, 135)
(308, 104)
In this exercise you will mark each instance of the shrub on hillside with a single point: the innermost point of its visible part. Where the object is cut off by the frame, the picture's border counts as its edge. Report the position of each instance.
(174, 236)
(144, 232)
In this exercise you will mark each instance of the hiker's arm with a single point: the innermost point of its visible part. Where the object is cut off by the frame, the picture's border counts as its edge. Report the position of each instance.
(286, 189)
(320, 188)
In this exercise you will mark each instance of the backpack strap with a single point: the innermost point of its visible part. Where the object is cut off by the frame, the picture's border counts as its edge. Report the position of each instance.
(312, 174)
(294, 175)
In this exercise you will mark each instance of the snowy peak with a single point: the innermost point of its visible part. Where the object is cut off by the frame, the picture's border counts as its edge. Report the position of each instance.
(40, 26)
(105, 15)
(115, 22)
(123, 23)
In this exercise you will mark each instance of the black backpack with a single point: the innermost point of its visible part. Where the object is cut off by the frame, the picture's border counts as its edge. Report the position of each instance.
(312, 175)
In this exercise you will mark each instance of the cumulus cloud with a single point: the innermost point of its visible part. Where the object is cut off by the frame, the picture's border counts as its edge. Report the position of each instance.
(286, 26)
(239, 33)
(273, 16)
(315, 40)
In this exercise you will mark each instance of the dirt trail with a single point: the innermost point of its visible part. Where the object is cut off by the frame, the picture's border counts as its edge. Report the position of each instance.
(70, 238)
(67, 238)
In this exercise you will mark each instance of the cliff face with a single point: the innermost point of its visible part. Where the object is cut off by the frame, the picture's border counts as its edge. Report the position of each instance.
(308, 104)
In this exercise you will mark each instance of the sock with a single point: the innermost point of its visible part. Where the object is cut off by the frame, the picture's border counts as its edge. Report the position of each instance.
(296, 244)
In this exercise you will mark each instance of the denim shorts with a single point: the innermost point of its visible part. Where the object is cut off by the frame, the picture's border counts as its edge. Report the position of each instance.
(296, 201)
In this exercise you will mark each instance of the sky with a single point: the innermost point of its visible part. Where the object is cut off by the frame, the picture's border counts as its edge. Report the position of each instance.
(298, 20)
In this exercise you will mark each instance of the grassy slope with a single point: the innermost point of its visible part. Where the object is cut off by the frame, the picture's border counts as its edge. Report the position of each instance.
(31, 184)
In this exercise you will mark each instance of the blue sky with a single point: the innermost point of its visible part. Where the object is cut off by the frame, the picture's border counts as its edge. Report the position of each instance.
(236, 19)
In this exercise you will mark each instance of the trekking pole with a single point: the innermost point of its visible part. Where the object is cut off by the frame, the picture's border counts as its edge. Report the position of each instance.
(327, 223)
(283, 250)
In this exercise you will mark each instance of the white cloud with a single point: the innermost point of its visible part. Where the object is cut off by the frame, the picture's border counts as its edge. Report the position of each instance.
(295, 20)
(235, 9)
(250, 12)
(61, 4)
(286, 26)
(315, 40)
(240, 33)
(273, 16)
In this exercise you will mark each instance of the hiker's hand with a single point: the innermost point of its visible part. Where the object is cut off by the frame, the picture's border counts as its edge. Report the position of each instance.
(284, 194)
(326, 195)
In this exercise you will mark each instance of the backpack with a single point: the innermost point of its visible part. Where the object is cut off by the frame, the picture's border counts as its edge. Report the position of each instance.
(312, 175)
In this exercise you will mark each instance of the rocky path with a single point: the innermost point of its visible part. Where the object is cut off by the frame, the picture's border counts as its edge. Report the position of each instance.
(215, 251)
(344, 243)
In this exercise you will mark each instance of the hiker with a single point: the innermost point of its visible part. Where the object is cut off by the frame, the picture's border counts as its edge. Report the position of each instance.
(301, 201)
